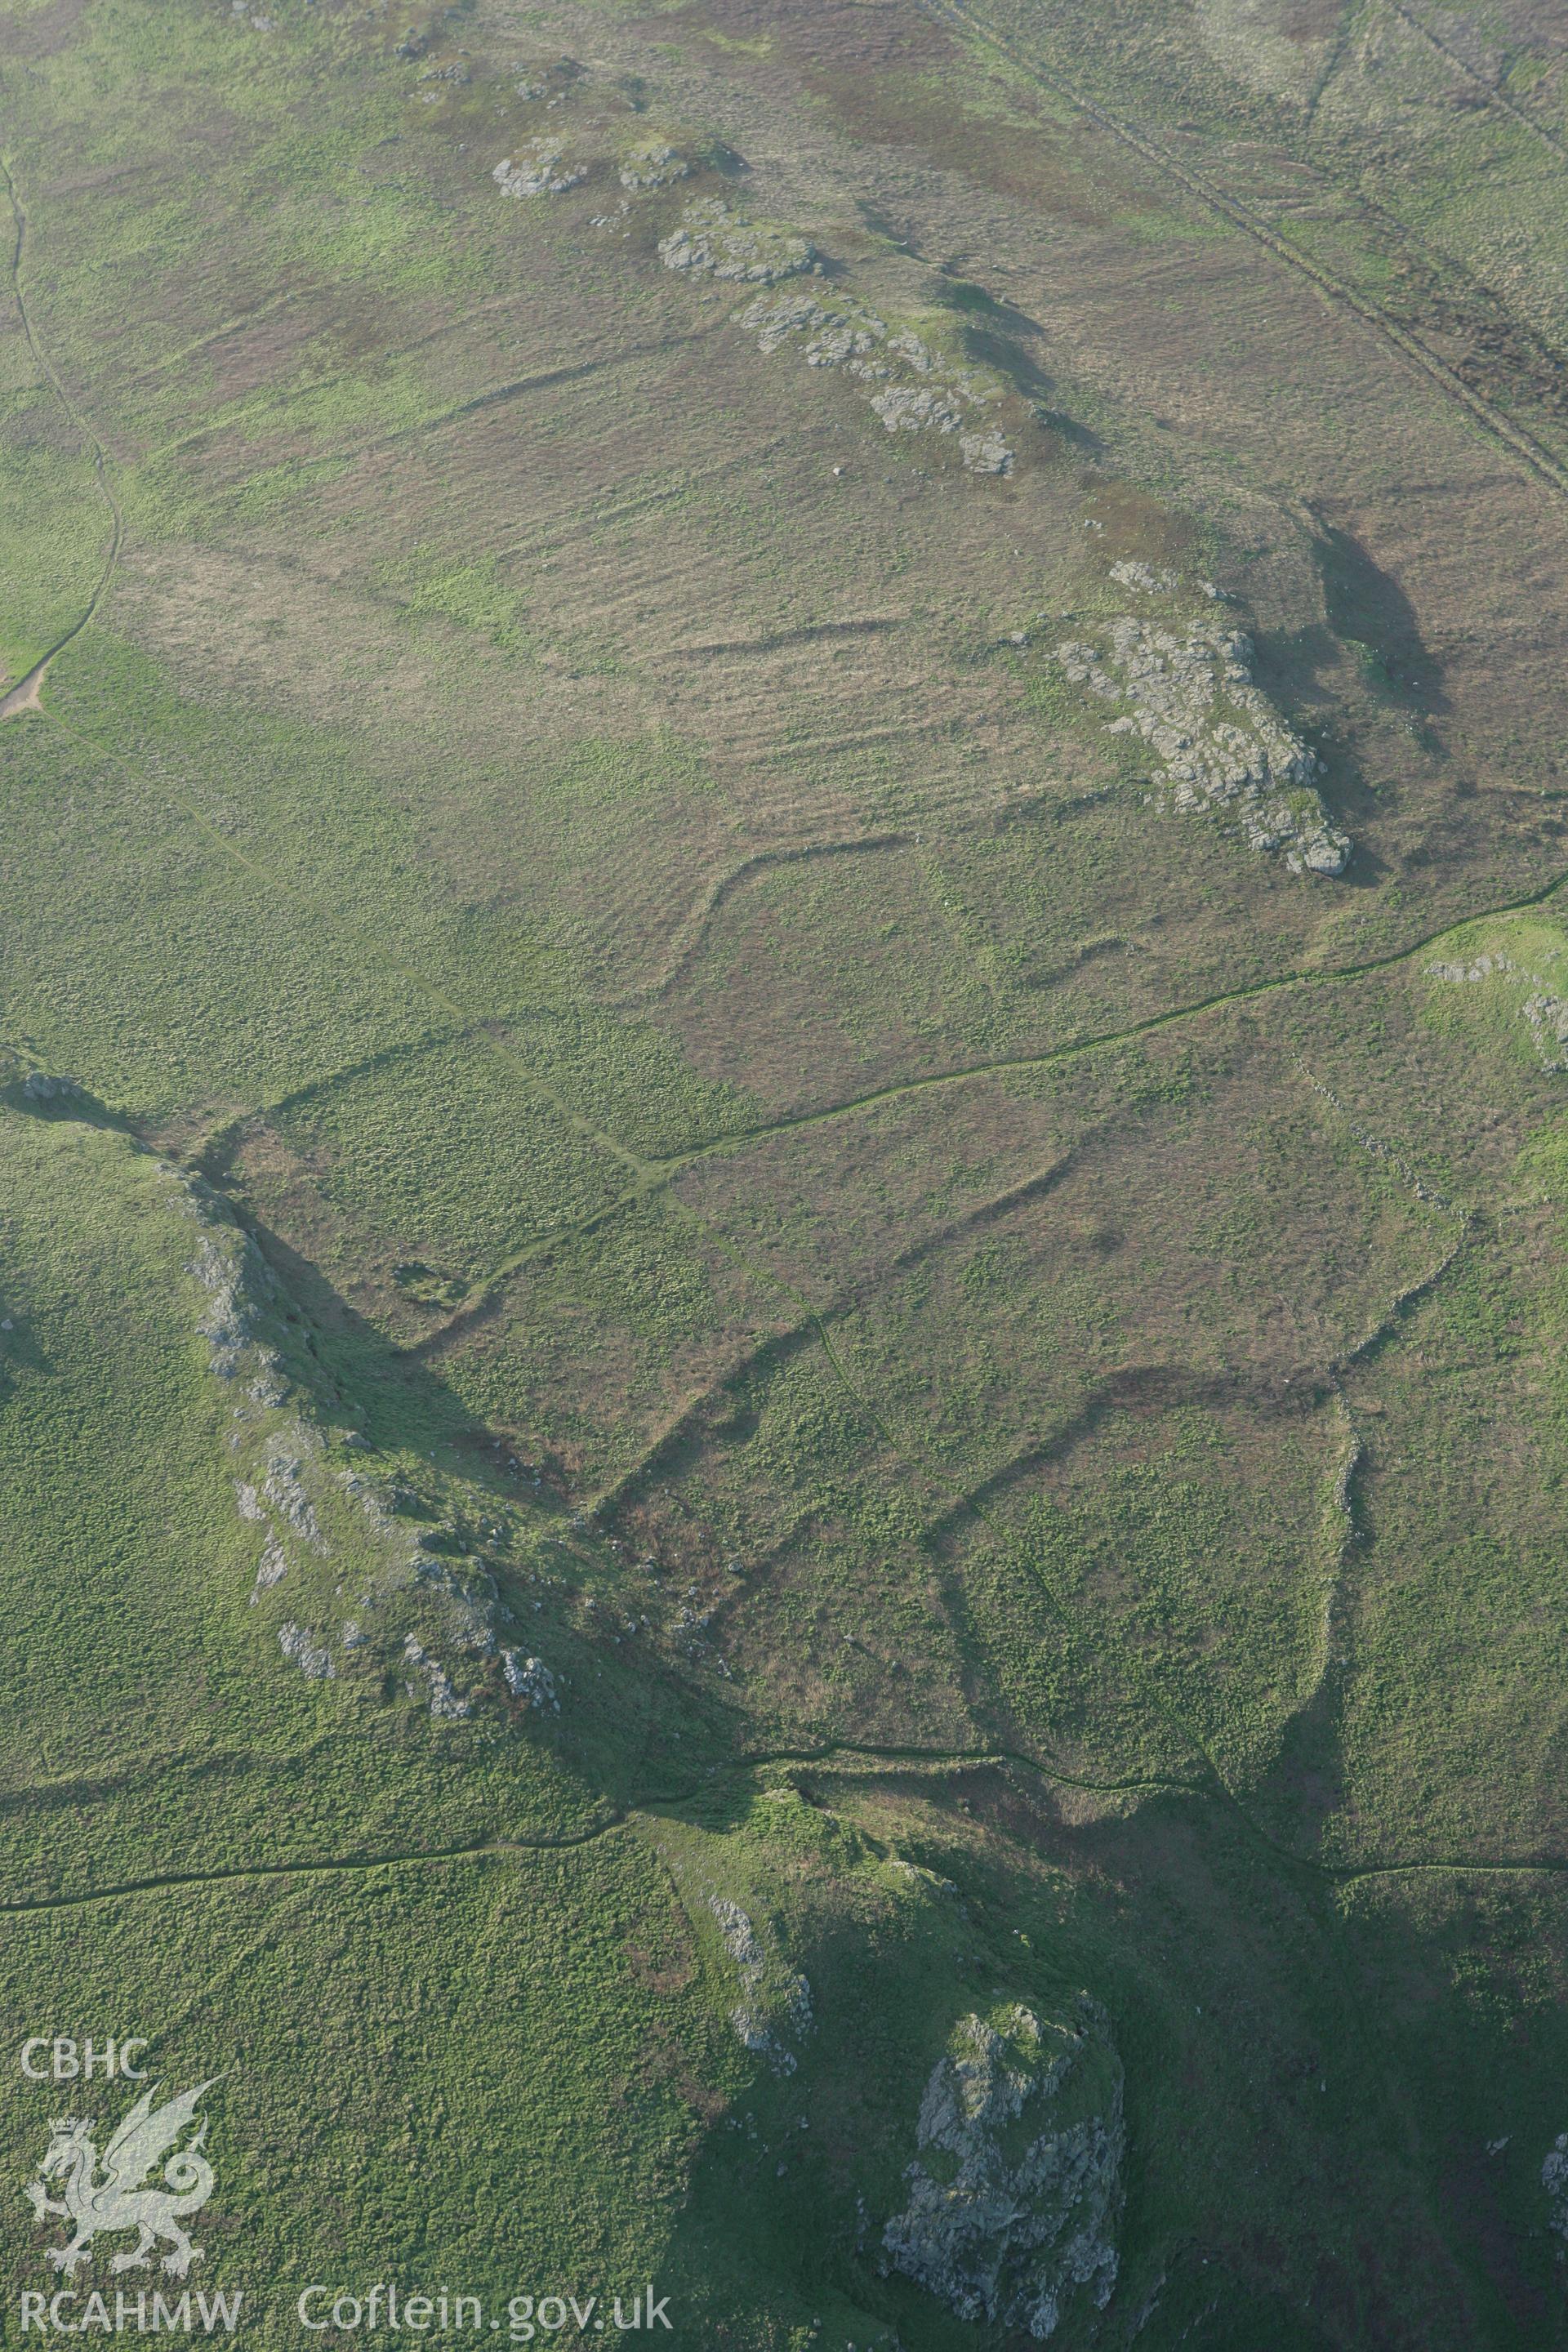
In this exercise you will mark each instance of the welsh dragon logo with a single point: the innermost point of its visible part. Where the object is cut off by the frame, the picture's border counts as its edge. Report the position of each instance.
(121, 2196)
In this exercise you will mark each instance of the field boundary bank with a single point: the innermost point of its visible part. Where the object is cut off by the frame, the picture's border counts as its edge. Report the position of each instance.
(658, 1174)
(24, 694)
(845, 1756)
(321, 1866)
(650, 1175)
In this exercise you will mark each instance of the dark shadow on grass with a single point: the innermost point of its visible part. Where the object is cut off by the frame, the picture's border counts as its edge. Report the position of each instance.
(1287, 2152)
(1369, 612)
(362, 1381)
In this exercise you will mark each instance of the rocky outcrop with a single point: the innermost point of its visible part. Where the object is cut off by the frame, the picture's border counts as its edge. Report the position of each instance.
(529, 1679)
(714, 240)
(540, 169)
(917, 408)
(1547, 1016)
(912, 386)
(389, 1585)
(654, 164)
(271, 1568)
(913, 383)
(1546, 1010)
(1481, 968)
(445, 1702)
(1130, 574)
(985, 452)
(52, 1087)
(1015, 2195)
(775, 1998)
(283, 1485)
(1555, 2181)
(472, 1593)
(288, 1487)
(230, 1268)
(312, 1657)
(1189, 693)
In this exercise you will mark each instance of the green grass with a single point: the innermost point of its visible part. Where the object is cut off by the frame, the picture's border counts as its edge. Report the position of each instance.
(547, 819)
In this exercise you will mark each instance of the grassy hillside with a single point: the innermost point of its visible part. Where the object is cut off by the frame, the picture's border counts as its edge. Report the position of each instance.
(782, 1158)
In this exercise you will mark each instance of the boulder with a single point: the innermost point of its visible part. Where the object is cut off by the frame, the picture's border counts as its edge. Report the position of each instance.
(1015, 2195)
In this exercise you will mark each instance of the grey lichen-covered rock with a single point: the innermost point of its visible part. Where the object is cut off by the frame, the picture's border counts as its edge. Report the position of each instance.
(985, 452)
(283, 1485)
(917, 408)
(234, 1276)
(312, 1657)
(1547, 1016)
(529, 1679)
(221, 1267)
(912, 386)
(44, 1086)
(472, 1589)
(1481, 968)
(1016, 2196)
(839, 333)
(370, 1502)
(446, 1701)
(1555, 2181)
(1131, 573)
(713, 240)
(1222, 745)
(540, 169)
(654, 164)
(772, 1995)
(1546, 1008)
(272, 1566)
